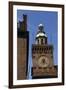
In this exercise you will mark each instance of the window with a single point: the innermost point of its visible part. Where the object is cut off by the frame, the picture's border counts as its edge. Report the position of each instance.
(41, 41)
(38, 41)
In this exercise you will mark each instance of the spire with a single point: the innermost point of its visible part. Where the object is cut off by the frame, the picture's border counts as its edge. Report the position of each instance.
(41, 37)
(41, 27)
(41, 31)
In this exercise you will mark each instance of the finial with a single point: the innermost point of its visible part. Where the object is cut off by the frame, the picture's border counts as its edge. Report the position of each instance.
(40, 26)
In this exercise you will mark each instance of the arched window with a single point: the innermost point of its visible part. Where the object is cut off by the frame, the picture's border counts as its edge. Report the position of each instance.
(41, 41)
(38, 41)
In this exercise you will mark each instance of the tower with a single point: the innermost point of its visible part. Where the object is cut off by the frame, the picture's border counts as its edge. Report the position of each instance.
(42, 56)
(22, 49)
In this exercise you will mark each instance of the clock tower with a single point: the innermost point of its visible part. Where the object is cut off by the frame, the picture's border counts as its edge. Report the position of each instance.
(42, 56)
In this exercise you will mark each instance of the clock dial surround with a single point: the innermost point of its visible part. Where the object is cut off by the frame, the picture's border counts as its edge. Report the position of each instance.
(43, 61)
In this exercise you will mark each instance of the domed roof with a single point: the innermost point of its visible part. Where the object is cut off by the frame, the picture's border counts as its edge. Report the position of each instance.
(41, 31)
(40, 25)
(41, 34)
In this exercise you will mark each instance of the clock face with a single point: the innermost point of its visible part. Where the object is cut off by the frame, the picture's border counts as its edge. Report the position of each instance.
(43, 61)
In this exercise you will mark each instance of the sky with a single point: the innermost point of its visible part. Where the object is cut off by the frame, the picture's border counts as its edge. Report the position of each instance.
(50, 21)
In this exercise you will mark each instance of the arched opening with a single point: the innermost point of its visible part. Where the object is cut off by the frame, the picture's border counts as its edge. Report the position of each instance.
(41, 41)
